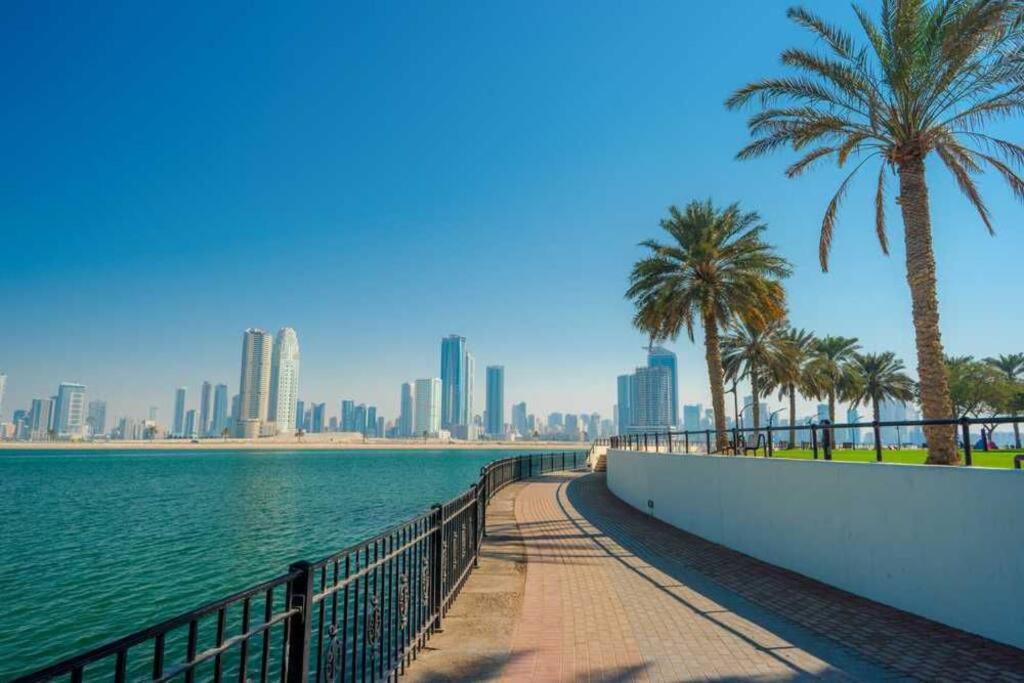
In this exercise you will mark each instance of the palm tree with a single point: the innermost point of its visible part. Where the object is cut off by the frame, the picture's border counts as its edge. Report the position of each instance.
(832, 372)
(792, 375)
(880, 377)
(756, 353)
(933, 75)
(1013, 367)
(715, 269)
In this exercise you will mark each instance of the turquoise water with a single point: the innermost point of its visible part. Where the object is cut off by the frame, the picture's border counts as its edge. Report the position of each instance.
(96, 545)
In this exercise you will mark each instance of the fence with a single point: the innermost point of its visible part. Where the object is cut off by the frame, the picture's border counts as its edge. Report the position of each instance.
(820, 437)
(360, 614)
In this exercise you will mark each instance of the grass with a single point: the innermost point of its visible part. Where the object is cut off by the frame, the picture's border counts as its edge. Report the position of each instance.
(1000, 459)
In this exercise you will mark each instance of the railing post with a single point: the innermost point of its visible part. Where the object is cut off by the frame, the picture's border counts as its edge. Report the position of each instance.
(686, 441)
(436, 588)
(563, 461)
(771, 448)
(965, 426)
(707, 433)
(735, 439)
(878, 440)
(814, 440)
(669, 440)
(657, 446)
(530, 468)
(827, 433)
(483, 510)
(299, 625)
(645, 442)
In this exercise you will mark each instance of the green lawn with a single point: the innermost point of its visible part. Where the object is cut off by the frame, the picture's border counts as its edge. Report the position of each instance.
(1002, 459)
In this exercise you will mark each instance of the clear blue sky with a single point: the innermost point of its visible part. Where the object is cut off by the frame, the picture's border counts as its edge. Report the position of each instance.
(378, 176)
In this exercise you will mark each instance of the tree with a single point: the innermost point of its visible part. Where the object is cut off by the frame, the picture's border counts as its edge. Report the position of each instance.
(756, 353)
(832, 372)
(880, 377)
(1012, 366)
(933, 75)
(792, 376)
(978, 389)
(716, 269)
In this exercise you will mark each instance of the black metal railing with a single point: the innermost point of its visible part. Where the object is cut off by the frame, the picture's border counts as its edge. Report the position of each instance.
(819, 437)
(361, 614)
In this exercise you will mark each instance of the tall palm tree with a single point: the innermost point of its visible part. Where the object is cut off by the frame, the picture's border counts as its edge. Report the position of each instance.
(933, 75)
(832, 370)
(1012, 366)
(792, 376)
(880, 377)
(715, 269)
(756, 353)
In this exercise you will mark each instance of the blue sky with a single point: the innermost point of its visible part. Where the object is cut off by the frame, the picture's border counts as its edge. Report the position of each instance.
(380, 175)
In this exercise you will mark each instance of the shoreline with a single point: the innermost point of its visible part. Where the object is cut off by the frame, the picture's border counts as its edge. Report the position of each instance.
(291, 445)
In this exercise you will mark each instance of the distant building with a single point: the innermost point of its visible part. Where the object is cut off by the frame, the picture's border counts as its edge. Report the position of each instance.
(454, 382)
(317, 420)
(284, 380)
(205, 408)
(371, 421)
(178, 428)
(69, 418)
(692, 417)
(519, 419)
(893, 411)
(593, 426)
(97, 419)
(624, 386)
(41, 418)
(607, 428)
(359, 419)
(571, 426)
(427, 400)
(853, 433)
(348, 416)
(3, 388)
(406, 415)
(300, 413)
(495, 400)
(380, 428)
(332, 424)
(220, 418)
(556, 421)
(822, 413)
(660, 357)
(191, 425)
(254, 383)
(651, 398)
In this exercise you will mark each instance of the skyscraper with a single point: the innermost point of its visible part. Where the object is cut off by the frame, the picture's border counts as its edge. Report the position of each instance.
(624, 386)
(453, 381)
(691, 417)
(371, 421)
(853, 417)
(427, 402)
(97, 419)
(319, 411)
(254, 384)
(348, 416)
(822, 413)
(284, 379)
(652, 398)
(519, 419)
(405, 415)
(205, 407)
(300, 414)
(70, 409)
(593, 425)
(470, 377)
(660, 357)
(41, 418)
(178, 428)
(359, 419)
(495, 400)
(219, 421)
(191, 424)
(3, 387)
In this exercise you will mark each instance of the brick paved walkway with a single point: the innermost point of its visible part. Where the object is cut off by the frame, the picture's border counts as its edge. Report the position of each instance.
(614, 595)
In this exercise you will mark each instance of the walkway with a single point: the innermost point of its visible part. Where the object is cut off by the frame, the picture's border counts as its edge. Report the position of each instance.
(611, 594)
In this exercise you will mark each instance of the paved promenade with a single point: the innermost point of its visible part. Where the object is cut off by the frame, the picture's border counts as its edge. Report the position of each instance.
(609, 594)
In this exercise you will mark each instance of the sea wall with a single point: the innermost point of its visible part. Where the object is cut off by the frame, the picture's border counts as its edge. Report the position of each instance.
(946, 543)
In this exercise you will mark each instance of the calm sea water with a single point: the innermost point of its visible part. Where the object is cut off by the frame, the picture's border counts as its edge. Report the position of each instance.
(96, 545)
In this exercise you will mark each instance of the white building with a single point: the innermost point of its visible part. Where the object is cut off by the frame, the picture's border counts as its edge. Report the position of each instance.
(69, 417)
(254, 384)
(284, 380)
(427, 406)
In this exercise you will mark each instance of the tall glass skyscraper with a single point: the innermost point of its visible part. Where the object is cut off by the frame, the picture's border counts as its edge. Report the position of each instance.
(3, 386)
(254, 384)
(97, 419)
(348, 415)
(454, 382)
(660, 357)
(405, 415)
(205, 408)
(624, 394)
(41, 418)
(69, 419)
(519, 419)
(428, 406)
(284, 379)
(219, 418)
(495, 400)
(651, 398)
(178, 429)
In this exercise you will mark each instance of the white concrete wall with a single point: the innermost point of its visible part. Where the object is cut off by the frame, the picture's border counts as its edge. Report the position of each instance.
(946, 543)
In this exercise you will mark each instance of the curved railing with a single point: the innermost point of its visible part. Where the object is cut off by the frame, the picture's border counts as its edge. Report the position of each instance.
(362, 613)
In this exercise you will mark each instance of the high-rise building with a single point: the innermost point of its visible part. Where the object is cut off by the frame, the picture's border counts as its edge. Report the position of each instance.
(652, 398)
(593, 426)
(97, 419)
(219, 420)
(41, 418)
(178, 429)
(624, 394)
(380, 427)
(284, 379)
(572, 426)
(470, 379)
(853, 417)
(822, 412)
(660, 357)
(405, 415)
(300, 414)
(348, 416)
(317, 420)
(495, 400)
(191, 424)
(454, 382)
(205, 409)
(254, 384)
(359, 419)
(893, 411)
(371, 421)
(69, 417)
(691, 417)
(427, 400)
(555, 422)
(3, 387)
(519, 419)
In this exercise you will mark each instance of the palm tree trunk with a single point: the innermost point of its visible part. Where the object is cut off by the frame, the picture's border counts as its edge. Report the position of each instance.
(1016, 434)
(831, 419)
(792, 416)
(756, 401)
(931, 367)
(713, 355)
